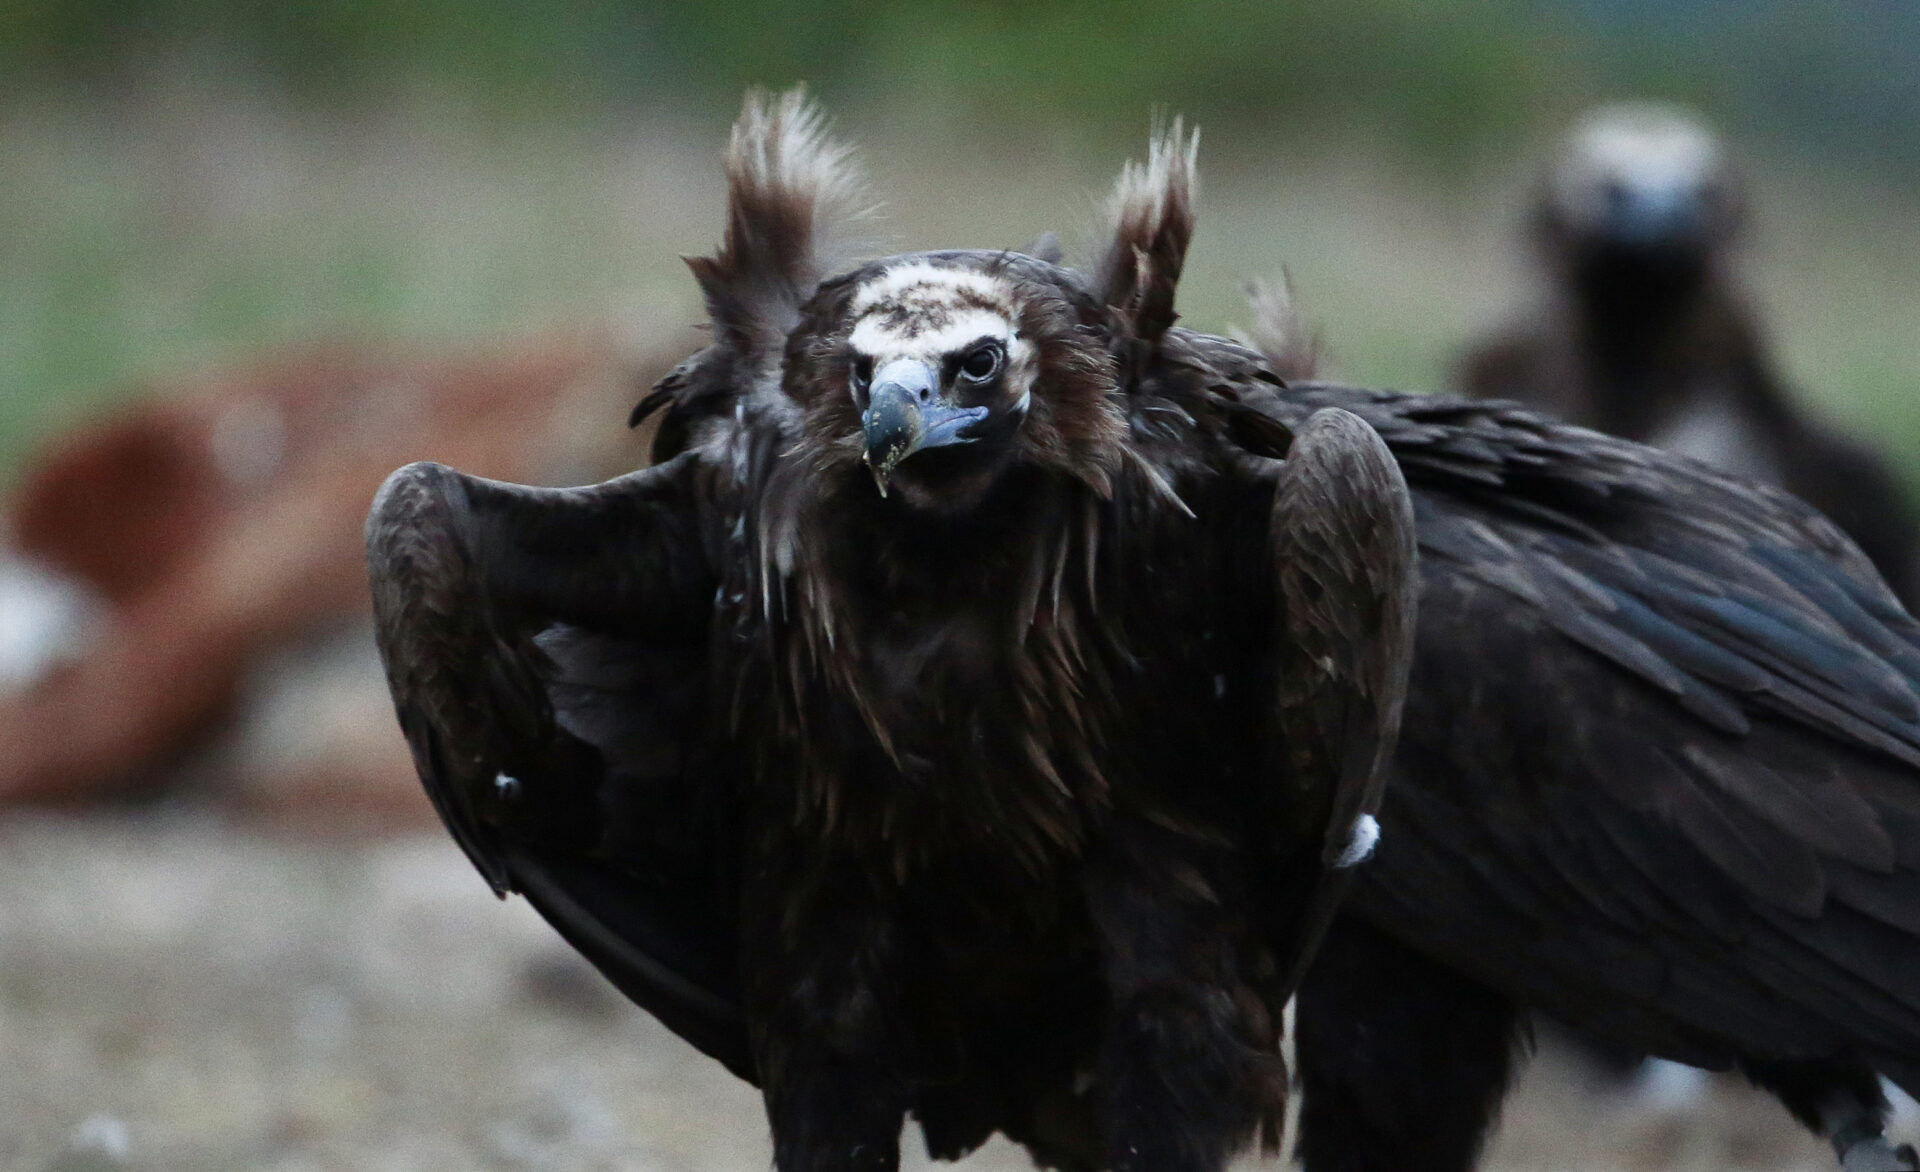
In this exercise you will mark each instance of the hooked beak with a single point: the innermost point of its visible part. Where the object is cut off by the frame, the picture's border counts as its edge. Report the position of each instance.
(905, 414)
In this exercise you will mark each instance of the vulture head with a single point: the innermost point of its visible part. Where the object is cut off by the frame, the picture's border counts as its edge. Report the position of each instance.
(1639, 191)
(940, 372)
(929, 378)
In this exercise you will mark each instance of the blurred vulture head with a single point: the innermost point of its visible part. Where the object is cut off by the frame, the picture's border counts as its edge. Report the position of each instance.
(1639, 191)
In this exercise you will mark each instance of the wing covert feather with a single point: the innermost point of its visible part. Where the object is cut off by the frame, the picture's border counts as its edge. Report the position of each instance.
(1342, 535)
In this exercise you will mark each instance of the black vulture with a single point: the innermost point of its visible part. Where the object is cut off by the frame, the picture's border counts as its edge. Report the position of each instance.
(974, 713)
(1644, 331)
(1657, 773)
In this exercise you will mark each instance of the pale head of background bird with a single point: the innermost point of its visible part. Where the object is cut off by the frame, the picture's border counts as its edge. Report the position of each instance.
(1640, 185)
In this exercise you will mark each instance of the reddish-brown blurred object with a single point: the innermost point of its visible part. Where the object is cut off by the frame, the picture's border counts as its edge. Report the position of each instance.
(219, 527)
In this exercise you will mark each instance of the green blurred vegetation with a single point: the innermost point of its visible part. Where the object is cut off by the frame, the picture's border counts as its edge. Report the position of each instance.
(1414, 63)
(183, 180)
(1432, 74)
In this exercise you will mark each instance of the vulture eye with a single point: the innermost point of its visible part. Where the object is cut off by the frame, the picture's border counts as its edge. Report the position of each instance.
(862, 372)
(982, 362)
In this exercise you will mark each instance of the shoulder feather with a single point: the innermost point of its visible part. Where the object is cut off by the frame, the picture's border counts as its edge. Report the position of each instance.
(1279, 332)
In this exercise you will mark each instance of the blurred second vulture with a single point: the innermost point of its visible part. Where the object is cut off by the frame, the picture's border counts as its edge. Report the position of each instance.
(1646, 333)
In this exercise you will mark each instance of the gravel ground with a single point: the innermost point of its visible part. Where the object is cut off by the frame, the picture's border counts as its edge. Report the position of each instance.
(178, 992)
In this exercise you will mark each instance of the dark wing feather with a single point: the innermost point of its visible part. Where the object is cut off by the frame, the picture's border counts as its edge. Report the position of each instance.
(546, 649)
(1660, 768)
(1343, 547)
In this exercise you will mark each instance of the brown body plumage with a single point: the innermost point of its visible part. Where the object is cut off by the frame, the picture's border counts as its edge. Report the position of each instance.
(969, 713)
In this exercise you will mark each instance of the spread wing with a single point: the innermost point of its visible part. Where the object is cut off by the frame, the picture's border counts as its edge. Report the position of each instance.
(547, 653)
(1660, 766)
(548, 650)
(1342, 537)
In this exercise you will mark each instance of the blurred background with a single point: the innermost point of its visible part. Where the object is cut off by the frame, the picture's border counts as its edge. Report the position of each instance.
(254, 256)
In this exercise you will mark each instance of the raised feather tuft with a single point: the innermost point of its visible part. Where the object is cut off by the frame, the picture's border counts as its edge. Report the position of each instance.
(1151, 219)
(794, 197)
(1278, 332)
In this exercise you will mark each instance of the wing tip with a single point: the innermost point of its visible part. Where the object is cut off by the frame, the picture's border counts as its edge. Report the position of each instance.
(396, 502)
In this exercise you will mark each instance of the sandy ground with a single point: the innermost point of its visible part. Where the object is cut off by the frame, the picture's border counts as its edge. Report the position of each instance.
(178, 992)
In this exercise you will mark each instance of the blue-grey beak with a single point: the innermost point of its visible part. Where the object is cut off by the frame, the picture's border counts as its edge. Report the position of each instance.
(905, 414)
